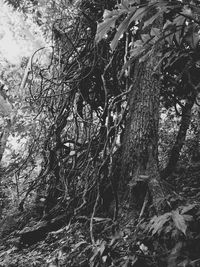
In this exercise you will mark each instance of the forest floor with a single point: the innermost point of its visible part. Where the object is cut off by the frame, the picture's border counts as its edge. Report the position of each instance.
(72, 245)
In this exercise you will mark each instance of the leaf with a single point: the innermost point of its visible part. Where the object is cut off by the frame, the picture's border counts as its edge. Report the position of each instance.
(109, 19)
(168, 25)
(125, 4)
(188, 218)
(188, 208)
(169, 37)
(168, 228)
(151, 20)
(158, 223)
(145, 56)
(135, 53)
(192, 39)
(139, 14)
(179, 221)
(145, 37)
(120, 31)
(187, 11)
(155, 32)
(162, 6)
(134, 2)
(179, 22)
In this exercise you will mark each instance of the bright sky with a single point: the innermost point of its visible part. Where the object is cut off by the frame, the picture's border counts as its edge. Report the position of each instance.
(17, 37)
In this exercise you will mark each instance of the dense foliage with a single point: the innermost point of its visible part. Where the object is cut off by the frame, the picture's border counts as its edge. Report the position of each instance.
(81, 100)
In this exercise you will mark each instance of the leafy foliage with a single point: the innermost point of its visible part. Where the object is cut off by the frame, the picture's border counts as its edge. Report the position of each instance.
(79, 104)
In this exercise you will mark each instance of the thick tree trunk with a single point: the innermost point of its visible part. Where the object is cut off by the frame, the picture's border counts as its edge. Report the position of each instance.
(140, 146)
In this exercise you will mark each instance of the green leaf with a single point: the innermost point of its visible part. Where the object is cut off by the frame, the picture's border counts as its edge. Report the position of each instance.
(192, 39)
(139, 14)
(169, 37)
(145, 56)
(188, 208)
(158, 222)
(155, 32)
(187, 11)
(137, 51)
(120, 31)
(179, 221)
(151, 20)
(145, 37)
(125, 4)
(134, 2)
(162, 6)
(179, 21)
(188, 218)
(104, 27)
(168, 25)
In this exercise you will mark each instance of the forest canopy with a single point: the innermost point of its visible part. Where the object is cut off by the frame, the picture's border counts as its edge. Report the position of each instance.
(113, 131)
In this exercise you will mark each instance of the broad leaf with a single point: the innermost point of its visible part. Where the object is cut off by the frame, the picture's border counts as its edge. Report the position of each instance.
(188, 208)
(120, 31)
(151, 20)
(192, 37)
(179, 221)
(168, 26)
(158, 223)
(188, 218)
(179, 22)
(155, 32)
(145, 37)
(139, 14)
(135, 53)
(169, 36)
(108, 23)
(134, 2)
(125, 4)
(145, 56)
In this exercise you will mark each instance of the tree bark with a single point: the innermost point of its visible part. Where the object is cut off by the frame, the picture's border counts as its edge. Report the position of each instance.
(140, 145)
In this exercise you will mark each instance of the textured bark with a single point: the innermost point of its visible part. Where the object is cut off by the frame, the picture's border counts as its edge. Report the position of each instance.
(180, 139)
(140, 147)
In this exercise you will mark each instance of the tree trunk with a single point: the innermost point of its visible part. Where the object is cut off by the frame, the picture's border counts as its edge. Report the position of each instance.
(140, 145)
